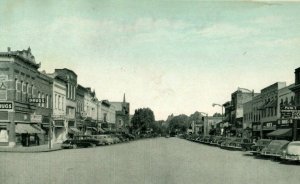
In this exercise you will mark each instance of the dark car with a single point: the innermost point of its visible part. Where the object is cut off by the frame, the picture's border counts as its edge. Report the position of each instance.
(220, 140)
(215, 140)
(240, 144)
(72, 143)
(88, 138)
(226, 143)
(259, 145)
(208, 139)
(200, 137)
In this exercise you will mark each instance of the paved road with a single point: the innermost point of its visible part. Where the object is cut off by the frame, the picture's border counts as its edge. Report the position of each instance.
(151, 161)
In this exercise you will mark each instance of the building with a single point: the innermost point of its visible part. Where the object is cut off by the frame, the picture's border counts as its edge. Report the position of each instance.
(59, 119)
(90, 108)
(210, 124)
(80, 113)
(296, 119)
(269, 109)
(64, 103)
(257, 104)
(122, 114)
(22, 107)
(106, 115)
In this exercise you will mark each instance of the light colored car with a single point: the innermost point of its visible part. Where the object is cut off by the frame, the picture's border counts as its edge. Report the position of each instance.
(104, 139)
(292, 151)
(275, 148)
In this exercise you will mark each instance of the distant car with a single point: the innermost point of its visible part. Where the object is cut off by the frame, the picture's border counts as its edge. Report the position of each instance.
(292, 152)
(227, 141)
(215, 140)
(71, 143)
(115, 139)
(275, 148)
(221, 140)
(208, 139)
(259, 145)
(240, 144)
(87, 138)
(200, 137)
(104, 139)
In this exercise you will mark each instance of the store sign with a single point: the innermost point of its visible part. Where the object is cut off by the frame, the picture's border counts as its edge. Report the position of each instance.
(292, 112)
(36, 118)
(36, 100)
(6, 105)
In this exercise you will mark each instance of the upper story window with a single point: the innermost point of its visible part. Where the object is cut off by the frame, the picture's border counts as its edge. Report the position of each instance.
(47, 101)
(39, 96)
(58, 102)
(55, 101)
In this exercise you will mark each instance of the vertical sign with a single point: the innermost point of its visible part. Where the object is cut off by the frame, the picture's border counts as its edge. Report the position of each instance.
(3, 87)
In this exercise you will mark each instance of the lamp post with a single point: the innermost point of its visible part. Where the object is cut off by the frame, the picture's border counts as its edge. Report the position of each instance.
(222, 107)
(205, 125)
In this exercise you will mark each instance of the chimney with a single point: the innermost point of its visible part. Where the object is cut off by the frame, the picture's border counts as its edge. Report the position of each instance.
(8, 49)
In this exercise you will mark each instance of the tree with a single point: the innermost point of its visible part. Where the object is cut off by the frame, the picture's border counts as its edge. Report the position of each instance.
(142, 119)
(217, 115)
(179, 123)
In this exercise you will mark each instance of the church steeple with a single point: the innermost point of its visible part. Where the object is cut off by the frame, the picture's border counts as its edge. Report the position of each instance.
(124, 100)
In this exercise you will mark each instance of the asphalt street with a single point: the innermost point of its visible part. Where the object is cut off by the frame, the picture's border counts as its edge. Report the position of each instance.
(148, 161)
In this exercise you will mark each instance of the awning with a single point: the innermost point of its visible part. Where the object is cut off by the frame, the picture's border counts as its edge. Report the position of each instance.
(39, 128)
(287, 132)
(93, 128)
(73, 130)
(28, 129)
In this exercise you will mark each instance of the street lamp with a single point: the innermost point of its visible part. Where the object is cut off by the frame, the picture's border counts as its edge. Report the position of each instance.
(205, 127)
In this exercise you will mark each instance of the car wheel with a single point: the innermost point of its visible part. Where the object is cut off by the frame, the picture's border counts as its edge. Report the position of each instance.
(74, 146)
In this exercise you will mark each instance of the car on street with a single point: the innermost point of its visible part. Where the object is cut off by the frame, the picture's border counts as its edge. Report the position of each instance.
(208, 139)
(215, 139)
(241, 144)
(73, 143)
(259, 145)
(115, 139)
(227, 141)
(204, 138)
(87, 138)
(220, 140)
(275, 148)
(292, 152)
(104, 139)
(199, 138)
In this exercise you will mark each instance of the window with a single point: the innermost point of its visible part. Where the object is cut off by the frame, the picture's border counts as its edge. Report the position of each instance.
(47, 101)
(26, 90)
(39, 96)
(16, 89)
(43, 104)
(59, 101)
(21, 91)
(55, 101)
(62, 101)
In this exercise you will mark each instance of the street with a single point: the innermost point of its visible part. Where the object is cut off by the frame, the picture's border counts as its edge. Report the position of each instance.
(157, 161)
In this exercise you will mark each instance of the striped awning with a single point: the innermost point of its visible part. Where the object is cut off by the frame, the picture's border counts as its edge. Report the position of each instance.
(22, 128)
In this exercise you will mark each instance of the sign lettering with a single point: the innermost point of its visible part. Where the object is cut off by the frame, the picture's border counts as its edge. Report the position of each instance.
(6, 105)
(36, 100)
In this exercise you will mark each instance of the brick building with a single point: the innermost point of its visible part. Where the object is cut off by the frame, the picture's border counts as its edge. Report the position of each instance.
(122, 114)
(20, 119)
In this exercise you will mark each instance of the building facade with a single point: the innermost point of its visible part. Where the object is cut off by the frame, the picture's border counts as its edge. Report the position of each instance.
(21, 88)
(106, 115)
(296, 90)
(122, 114)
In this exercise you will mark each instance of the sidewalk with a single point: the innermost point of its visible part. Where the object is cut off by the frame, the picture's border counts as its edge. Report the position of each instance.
(32, 149)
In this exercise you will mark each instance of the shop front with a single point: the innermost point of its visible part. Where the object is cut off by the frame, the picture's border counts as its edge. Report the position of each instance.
(28, 134)
(4, 134)
(59, 131)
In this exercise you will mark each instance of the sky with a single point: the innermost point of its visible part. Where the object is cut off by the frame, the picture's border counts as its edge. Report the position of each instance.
(171, 56)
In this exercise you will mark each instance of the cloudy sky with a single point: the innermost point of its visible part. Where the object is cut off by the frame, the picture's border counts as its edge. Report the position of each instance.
(172, 56)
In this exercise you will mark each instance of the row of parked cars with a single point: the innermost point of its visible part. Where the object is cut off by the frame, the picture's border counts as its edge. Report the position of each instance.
(84, 141)
(278, 149)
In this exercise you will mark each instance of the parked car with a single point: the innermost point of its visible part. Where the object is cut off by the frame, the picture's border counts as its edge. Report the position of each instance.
(204, 138)
(104, 139)
(73, 143)
(215, 140)
(240, 144)
(115, 139)
(227, 141)
(292, 151)
(87, 138)
(259, 145)
(275, 148)
(219, 141)
(199, 138)
(208, 139)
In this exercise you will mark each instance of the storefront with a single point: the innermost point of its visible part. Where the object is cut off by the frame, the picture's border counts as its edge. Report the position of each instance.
(28, 134)
(59, 131)
(3, 134)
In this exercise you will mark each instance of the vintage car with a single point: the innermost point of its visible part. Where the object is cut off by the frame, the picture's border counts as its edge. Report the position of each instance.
(204, 139)
(87, 138)
(259, 145)
(73, 143)
(292, 151)
(227, 141)
(208, 139)
(240, 144)
(115, 139)
(104, 139)
(275, 148)
(200, 137)
(219, 141)
(215, 140)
